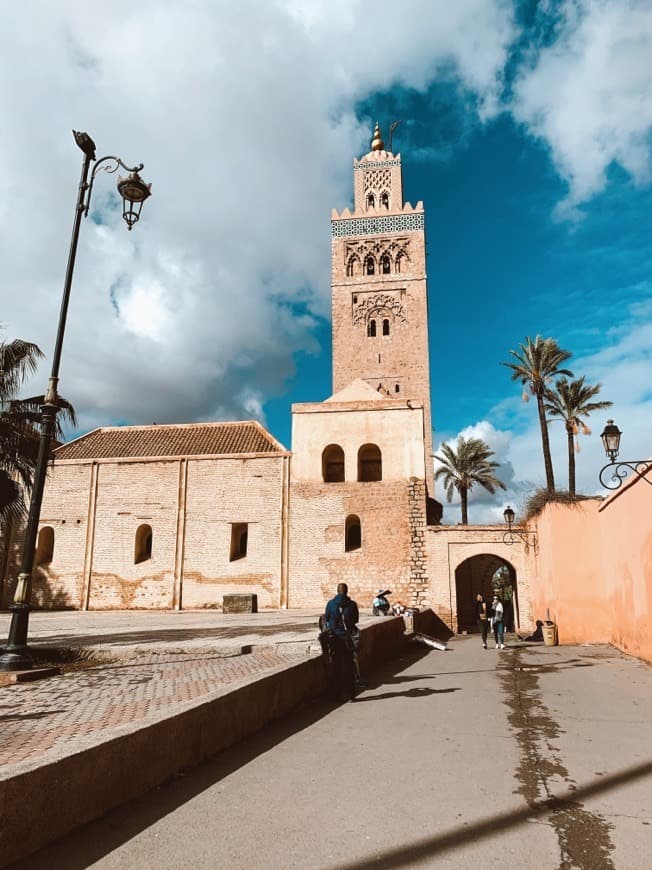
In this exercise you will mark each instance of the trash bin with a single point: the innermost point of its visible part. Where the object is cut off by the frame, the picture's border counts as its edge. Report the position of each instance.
(550, 634)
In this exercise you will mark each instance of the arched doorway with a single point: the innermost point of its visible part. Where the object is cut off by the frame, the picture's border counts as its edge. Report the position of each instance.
(488, 574)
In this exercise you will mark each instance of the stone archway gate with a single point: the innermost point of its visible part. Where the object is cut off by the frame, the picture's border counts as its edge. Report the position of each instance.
(448, 547)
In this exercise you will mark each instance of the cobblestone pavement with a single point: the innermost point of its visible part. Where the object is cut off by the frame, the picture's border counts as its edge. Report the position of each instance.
(40, 722)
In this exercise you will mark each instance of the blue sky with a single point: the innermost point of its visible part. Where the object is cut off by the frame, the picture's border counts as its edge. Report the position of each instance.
(526, 130)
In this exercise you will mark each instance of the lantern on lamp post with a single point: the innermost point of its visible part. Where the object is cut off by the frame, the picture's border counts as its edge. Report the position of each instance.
(618, 470)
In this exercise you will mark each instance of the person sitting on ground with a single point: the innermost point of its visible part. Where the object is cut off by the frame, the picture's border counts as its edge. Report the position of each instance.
(537, 634)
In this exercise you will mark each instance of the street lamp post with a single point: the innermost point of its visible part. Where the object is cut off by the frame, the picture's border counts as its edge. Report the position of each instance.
(618, 470)
(513, 536)
(134, 191)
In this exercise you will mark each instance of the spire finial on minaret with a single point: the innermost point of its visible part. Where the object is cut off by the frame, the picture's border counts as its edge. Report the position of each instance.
(377, 143)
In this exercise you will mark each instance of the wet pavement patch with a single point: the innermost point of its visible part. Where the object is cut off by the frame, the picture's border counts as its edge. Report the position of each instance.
(584, 837)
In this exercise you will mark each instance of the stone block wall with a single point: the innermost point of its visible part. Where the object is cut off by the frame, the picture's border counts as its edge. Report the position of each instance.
(318, 560)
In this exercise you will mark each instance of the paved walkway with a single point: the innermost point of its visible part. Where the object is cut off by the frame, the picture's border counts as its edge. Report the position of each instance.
(527, 757)
(121, 633)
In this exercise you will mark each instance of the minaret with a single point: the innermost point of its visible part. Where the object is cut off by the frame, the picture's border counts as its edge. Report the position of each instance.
(379, 292)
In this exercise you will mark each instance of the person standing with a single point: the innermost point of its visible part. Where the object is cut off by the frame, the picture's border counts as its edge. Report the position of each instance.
(341, 619)
(483, 617)
(497, 618)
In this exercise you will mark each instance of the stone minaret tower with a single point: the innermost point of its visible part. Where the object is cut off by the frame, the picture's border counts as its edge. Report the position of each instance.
(380, 301)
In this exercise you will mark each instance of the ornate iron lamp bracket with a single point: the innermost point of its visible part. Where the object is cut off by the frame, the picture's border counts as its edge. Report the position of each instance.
(619, 471)
(107, 164)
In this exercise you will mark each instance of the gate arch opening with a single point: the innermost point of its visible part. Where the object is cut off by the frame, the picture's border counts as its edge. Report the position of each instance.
(488, 574)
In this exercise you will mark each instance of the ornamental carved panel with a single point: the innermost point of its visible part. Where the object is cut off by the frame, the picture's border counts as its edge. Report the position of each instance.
(370, 303)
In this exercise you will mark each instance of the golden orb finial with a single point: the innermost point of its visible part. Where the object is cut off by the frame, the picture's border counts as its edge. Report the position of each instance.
(377, 143)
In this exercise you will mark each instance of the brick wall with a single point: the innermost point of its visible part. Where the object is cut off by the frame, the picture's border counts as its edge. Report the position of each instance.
(318, 561)
(95, 509)
(220, 493)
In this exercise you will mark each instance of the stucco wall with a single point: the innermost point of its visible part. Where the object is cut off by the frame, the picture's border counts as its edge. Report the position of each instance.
(594, 569)
(395, 428)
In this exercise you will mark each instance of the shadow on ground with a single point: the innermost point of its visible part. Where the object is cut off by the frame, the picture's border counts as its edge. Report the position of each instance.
(88, 844)
(175, 635)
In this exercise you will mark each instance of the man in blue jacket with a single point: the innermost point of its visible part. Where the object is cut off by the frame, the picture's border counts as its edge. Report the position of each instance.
(341, 619)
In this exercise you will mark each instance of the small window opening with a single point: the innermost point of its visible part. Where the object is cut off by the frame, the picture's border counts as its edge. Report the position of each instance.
(352, 533)
(370, 463)
(384, 199)
(369, 266)
(371, 329)
(143, 544)
(332, 464)
(397, 389)
(371, 201)
(386, 265)
(385, 326)
(45, 546)
(355, 300)
(239, 538)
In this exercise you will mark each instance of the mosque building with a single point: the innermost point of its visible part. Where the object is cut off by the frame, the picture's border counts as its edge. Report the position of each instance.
(178, 516)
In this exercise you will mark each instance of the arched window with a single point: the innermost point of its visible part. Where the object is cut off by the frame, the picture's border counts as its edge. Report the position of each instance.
(371, 329)
(332, 464)
(385, 265)
(384, 199)
(239, 540)
(397, 389)
(353, 267)
(45, 546)
(371, 200)
(143, 544)
(386, 326)
(370, 463)
(402, 262)
(352, 533)
(369, 266)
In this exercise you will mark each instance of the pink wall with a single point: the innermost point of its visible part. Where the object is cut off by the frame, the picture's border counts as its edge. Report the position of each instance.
(593, 569)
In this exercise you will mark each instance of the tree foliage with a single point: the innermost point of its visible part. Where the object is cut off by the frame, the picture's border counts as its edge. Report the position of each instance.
(464, 466)
(19, 419)
(537, 362)
(573, 402)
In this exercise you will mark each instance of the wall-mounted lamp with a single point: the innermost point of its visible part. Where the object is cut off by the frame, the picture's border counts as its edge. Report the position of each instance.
(618, 470)
(514, 536)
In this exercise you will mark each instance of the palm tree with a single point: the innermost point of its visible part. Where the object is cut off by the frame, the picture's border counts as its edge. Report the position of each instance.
(462, 468)
(536, 364)
(571, 401)
(19, 419)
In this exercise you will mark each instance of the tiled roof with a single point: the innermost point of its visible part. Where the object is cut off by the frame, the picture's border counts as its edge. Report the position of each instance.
(184, 439)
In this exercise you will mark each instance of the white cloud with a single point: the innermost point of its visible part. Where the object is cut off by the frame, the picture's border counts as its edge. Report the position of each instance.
(588, 94)
(243, 114)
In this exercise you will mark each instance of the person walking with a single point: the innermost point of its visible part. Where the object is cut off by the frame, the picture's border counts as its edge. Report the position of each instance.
(342, 616)
(498, 624)
(483, 617)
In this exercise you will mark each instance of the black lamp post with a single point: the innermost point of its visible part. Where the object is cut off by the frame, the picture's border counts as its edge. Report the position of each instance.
(618, 470)
(134, 191)
(513, 536)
